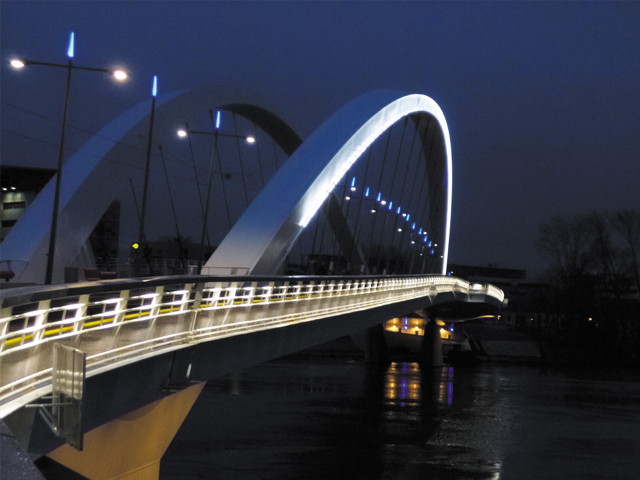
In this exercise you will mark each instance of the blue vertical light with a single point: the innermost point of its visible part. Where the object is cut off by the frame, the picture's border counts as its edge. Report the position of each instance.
(353, 182)
(218, 116)
(430, 243)
(420, 232)
(408, 216)
(154, 89)
(398, 211)
(379, 197)
(366, 192)
(432, 251)
(390, 205)
(72, 41)
(413, 227)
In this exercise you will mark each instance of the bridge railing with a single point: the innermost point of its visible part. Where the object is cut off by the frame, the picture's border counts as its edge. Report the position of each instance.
(120, 321)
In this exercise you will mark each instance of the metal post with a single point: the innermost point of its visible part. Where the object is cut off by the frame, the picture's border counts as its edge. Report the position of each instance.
(206, 205)
(141, 235)
(56, 198)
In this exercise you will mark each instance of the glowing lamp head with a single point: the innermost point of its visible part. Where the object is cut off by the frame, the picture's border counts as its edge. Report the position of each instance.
(120, 75)
(383, 202)
(182, 133)
(71, 49)
(17, 63)
(250, 140)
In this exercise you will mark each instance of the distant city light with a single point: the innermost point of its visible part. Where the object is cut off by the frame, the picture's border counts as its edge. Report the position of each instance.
(182, 133)
(347, 198)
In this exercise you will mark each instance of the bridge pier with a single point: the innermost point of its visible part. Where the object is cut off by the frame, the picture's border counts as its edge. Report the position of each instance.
(376, 350)
(431, 351)
(131, 447)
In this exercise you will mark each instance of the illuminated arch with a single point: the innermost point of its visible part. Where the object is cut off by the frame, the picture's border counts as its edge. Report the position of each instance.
(262, 238)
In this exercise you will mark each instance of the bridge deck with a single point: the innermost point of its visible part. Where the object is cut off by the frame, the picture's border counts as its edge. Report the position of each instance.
(120, 322)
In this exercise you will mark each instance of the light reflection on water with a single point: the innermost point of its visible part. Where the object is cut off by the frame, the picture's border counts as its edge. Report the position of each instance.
(334, 418)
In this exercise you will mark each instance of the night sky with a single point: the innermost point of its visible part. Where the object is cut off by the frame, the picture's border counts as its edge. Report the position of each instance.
(542, 99)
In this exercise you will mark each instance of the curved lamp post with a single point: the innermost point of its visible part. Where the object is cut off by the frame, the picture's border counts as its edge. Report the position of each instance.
(119, 75)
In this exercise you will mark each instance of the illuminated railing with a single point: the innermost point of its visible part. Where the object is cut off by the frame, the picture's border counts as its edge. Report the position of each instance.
(122, 321)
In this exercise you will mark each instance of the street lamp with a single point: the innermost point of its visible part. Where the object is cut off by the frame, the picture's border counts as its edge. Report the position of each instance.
(119, 75)
(183, 133)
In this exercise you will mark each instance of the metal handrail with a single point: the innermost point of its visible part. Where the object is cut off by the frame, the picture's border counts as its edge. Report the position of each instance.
(184, 310)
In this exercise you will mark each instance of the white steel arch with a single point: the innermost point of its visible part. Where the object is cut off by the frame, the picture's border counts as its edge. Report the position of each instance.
(263, 236)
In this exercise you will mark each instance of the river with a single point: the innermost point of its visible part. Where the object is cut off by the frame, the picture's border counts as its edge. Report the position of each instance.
(336, 418)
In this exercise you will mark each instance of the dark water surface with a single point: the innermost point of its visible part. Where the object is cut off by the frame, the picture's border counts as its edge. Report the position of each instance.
(318, 418)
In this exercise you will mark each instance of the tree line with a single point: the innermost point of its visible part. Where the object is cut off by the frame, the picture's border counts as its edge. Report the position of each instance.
(588, 305)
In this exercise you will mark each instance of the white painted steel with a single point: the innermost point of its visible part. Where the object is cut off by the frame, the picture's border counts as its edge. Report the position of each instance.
(268, 229)
(121, 322)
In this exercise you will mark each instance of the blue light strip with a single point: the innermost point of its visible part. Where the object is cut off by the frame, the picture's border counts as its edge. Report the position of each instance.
(353, 182)
(154, 89)
(72, 42)
(218, 117)
(366, 193)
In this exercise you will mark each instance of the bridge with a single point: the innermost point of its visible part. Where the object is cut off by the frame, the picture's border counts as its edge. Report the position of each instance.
(85, 355)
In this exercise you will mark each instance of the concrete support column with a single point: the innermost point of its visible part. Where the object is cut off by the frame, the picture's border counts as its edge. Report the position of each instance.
(431, 351)
(376, 350)
(130, 448)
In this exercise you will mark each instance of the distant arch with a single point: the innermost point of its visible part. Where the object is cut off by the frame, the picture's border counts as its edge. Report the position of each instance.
(94, 176)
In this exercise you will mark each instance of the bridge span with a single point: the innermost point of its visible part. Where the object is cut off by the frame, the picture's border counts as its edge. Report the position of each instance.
(145, 339)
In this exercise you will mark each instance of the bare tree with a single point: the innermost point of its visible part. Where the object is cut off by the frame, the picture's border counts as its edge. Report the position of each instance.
(566, 242)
